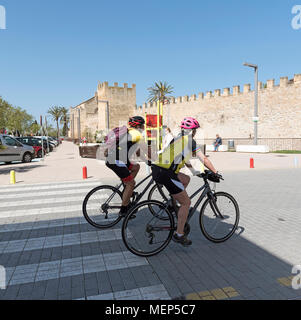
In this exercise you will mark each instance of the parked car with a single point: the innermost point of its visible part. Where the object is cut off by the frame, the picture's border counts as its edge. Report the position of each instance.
(30, 142)
(54, 144)
(33, 141)
(13, 150)
(55, 141)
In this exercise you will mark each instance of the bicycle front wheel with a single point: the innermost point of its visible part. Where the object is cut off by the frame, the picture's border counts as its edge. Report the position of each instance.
(101, 207)
(146, 234)
(219, 217)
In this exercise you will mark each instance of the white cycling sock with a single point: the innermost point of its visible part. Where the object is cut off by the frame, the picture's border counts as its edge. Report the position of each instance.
(179, 235)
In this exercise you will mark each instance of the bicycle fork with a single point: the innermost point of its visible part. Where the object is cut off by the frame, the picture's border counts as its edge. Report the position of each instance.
(214, 207)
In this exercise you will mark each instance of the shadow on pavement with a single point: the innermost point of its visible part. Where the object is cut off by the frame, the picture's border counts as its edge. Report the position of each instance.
(255, 264)
(204, 270)
(5, 169)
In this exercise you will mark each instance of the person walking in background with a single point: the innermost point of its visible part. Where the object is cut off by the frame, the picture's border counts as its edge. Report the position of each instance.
(218, 142)
(168, 138)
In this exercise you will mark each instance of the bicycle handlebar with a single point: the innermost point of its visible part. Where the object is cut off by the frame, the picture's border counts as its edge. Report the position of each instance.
(202, 175)
(207, 174)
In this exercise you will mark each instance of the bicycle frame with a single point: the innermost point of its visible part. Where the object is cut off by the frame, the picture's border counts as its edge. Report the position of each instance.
(140, 195)
(138, 185)
(207, 190)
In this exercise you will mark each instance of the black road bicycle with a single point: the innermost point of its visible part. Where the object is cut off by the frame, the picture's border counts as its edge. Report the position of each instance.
(154, 224)
(102, 205)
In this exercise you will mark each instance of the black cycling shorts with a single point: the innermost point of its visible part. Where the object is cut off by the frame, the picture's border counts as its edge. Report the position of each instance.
(168, 179)
(123, 170)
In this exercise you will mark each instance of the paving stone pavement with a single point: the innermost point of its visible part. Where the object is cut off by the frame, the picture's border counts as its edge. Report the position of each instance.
(50, 252)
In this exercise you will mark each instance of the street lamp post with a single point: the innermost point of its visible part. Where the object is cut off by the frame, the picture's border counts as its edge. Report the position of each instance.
(46, 134)
(255, 119)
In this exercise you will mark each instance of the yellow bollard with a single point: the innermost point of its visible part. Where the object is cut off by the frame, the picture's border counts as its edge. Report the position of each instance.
(12, 177)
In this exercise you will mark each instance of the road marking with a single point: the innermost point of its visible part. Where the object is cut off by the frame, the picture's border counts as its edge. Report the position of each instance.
(33, 225)
(47, 193)
(60, 240)
(215, 294)
(72, 267)
(157, 292)
(40, 202)
(286, 281)
(24, 189)
(40, 211)
(193, 296)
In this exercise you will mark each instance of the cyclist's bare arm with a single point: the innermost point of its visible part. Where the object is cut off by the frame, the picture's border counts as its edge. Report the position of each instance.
(207, 163)
(190, 167)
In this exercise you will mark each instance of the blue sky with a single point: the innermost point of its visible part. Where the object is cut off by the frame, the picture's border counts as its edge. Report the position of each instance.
(55, 52)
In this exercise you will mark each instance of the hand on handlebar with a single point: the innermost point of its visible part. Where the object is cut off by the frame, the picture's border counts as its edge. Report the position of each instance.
(208, 172)
(219, 175)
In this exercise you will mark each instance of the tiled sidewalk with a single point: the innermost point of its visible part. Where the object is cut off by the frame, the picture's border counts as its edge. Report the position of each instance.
(49, 251)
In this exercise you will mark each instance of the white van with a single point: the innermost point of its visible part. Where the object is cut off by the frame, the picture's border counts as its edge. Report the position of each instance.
(13, 150)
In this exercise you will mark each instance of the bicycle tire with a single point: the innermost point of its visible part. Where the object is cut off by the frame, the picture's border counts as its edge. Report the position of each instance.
(137, 232)
(151, 195)
(202, 218)
(96, 222)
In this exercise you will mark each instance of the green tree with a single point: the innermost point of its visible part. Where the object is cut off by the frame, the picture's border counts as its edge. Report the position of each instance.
(14, 119)
(56, 113)
(65, 121)
(160, 91)
(52, 132)
(5, 110)
(20, 121)
(35, 128)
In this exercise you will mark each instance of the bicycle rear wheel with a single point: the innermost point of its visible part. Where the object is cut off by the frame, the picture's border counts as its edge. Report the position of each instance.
(101, 207)
(148, 234)
(157, 193)
(219, 217)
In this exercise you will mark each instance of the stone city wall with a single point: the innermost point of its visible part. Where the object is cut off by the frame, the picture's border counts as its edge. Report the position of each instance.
(120, 103)
(230, 114)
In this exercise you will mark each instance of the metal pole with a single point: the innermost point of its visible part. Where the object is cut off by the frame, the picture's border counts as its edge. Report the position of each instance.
(168, 115)
(42, 144)
(46, 133)
(256, 108)
(255, 119)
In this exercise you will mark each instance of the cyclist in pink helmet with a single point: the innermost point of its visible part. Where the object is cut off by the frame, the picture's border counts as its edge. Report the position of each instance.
(166, 171)
(190, 123)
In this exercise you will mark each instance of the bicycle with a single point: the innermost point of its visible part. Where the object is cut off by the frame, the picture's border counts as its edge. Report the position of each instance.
(149, 234)
(102, 205)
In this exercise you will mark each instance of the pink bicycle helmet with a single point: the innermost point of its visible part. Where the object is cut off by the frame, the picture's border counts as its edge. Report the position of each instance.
(190, 123)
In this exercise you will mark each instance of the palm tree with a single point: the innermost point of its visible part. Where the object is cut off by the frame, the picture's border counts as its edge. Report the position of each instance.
(56, 113)
(64, 120)
(160, 91)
